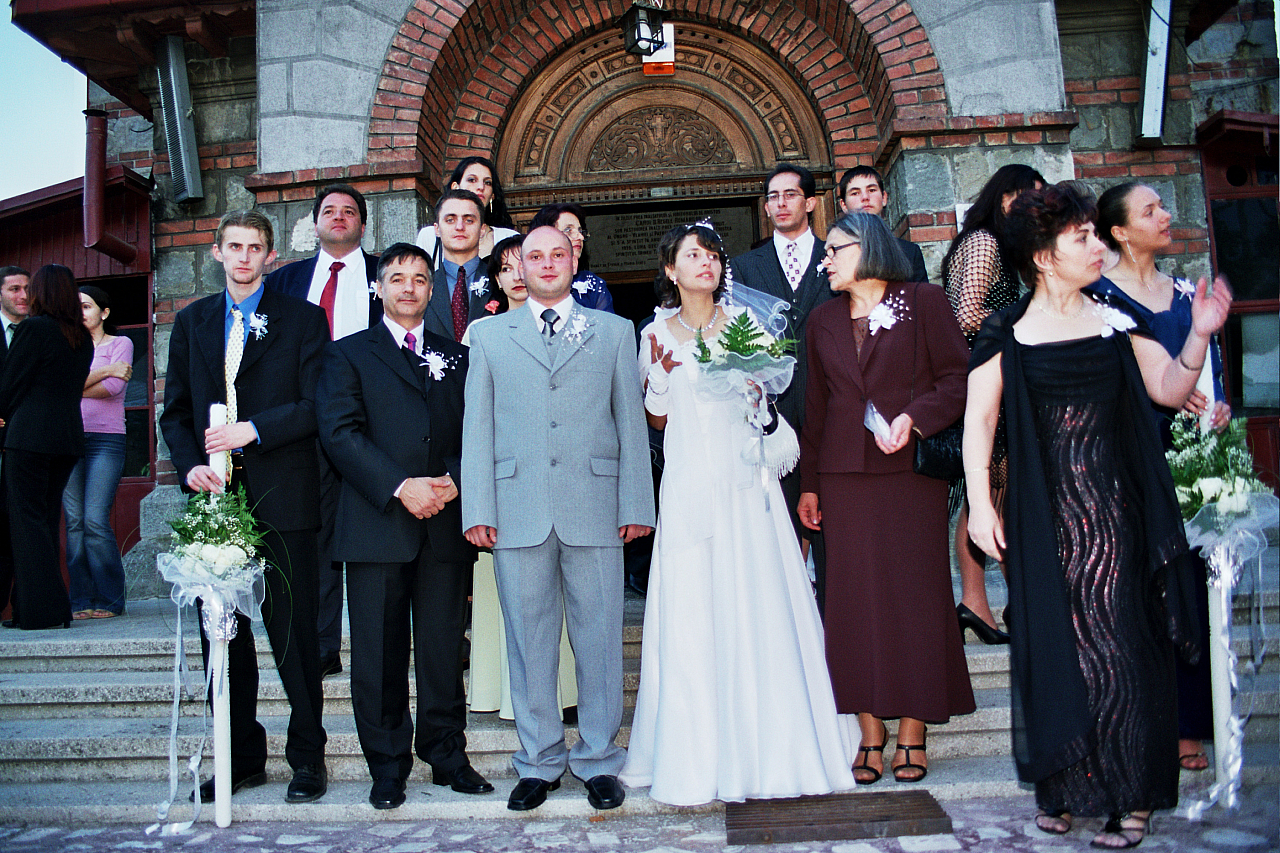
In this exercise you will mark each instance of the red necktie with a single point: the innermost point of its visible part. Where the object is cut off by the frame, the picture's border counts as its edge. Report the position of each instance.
(459, 304)
(330, 292)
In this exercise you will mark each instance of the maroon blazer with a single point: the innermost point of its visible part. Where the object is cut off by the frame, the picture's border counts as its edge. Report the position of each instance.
(926, 342)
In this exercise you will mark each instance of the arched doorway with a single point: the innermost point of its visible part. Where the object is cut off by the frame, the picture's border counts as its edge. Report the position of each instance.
(644, 153)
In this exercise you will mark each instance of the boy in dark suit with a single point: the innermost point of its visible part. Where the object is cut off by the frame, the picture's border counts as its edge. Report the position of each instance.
(259, 352)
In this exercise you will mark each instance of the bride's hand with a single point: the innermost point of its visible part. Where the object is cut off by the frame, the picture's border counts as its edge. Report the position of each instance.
(660, 355)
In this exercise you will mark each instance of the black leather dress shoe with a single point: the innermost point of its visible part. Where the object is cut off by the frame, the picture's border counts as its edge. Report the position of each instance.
(529, 793)
(464, 780)
(330, 666)
(605, 792)
(249, 780)
(310, 781)
(387, 793)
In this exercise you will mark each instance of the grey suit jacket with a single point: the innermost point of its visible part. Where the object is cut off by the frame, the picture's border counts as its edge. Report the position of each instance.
(554, 437)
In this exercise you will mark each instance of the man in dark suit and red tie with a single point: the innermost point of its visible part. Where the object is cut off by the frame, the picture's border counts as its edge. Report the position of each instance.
(258, 351)
(340, 279)
(459, 290)
(787, 267)
(390, 411)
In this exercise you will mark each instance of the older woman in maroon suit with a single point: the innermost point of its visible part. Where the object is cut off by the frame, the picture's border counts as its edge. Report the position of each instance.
(893, 646)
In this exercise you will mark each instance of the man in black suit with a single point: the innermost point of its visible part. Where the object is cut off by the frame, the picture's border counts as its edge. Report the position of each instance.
(390, 412)
(271, 436)
(459, 288)
(13, 310)
(787, 267)
(340, 280)
(862, 189)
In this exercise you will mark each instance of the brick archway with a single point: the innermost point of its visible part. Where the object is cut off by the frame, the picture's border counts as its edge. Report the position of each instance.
(457, 67)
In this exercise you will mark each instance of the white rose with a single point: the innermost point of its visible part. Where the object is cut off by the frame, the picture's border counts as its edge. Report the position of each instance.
(1209, 487)
(233, 555)
(210, 553)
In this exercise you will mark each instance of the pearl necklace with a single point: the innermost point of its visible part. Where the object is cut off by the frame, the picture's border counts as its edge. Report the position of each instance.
(1044, 309)
(715, 315)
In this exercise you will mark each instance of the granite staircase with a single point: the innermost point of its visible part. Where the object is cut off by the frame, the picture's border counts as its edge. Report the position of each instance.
(85, 724)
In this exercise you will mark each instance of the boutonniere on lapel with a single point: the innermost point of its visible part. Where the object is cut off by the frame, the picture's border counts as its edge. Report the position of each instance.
(436, 364)
(1114, 320)
(583, 287)
(888, 312)
(573, 330)
(258, 325)
(373, 288)
(480, 286)
(491, 306)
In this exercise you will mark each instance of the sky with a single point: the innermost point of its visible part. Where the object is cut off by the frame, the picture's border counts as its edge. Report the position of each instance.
(42, 99)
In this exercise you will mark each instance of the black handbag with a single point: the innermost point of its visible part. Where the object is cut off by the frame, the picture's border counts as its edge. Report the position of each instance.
(939, 456)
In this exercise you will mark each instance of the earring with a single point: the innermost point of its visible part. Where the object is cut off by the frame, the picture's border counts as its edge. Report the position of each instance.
(1129, 249)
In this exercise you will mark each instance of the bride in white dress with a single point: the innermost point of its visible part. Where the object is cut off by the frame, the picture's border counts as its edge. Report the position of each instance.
(735, 701)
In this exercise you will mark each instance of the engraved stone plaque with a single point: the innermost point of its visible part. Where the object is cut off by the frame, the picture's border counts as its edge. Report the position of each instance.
(626, 242)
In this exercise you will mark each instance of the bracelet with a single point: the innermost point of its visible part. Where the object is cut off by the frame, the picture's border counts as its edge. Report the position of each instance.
(1189, 367)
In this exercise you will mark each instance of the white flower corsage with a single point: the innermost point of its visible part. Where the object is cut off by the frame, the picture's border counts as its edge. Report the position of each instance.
(1184, 288)
(258, 325)
(480, 286)
(436, 364)
(1114, 320)
(886, 314)
(373, 288)
(577, 325)
(583, 287)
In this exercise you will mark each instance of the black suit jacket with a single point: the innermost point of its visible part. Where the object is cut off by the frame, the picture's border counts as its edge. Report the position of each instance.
(914, 257)
(383, 420)
(41, 388)
(439, 317)
(761, 269)
(295, 280)
(275, 388)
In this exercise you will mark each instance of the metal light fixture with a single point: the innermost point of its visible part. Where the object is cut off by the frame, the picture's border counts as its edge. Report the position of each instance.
(642, 27)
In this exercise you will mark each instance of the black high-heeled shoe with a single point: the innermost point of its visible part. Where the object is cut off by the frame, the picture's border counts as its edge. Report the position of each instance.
(988, 635)
(865, 752)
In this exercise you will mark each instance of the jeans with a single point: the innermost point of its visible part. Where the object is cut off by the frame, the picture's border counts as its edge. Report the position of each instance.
(93, 558)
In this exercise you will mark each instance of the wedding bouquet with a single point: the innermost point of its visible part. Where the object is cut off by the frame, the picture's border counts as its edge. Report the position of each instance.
(1212, 468)
(217, 541)
(746, 362)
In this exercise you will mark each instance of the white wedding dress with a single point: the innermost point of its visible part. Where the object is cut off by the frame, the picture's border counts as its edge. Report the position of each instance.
(735, 701)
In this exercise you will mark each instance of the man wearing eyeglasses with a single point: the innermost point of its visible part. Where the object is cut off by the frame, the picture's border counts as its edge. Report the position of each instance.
(788, 267)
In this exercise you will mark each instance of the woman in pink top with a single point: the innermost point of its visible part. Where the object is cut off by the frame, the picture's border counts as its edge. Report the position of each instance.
(93, 558)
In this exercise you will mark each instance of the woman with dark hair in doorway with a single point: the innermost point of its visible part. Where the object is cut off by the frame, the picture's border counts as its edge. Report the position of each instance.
(979, 279)
(476, 174)
(40, 404)
(93, 558)
(589, 289)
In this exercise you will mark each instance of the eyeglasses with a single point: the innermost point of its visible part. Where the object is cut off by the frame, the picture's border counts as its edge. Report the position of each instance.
(832, 250)
(575, 231)
(788, 195)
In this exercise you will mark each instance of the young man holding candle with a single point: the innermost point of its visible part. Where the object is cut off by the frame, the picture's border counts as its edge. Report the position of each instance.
(258, 352)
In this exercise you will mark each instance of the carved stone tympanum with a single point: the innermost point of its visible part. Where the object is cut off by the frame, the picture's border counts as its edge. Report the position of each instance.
(659, 137)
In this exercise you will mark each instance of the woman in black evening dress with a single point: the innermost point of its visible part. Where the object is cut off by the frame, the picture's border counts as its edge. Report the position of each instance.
(1092, 533)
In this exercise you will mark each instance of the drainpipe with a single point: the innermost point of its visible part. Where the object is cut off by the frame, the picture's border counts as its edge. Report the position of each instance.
(1157, 69)
(95, 192)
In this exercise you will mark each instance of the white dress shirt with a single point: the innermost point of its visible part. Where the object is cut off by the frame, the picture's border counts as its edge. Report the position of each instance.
(351, 302)
(562, 309)
(804, 251)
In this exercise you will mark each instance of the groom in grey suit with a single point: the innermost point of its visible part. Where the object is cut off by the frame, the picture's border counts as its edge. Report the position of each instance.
(556, 477)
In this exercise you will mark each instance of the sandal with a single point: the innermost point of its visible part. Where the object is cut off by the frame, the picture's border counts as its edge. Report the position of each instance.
(1194, 761)
(1128, 830)
(865, 752)
(82, 614)
(102, 614)
(1054, 822)
(909, 765)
